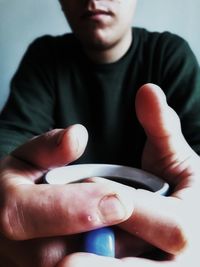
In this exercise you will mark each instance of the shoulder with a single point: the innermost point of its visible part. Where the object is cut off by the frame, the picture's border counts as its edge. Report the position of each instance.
(164, 47)
(50, 46)
(144, 35)
(67, 39)
(161, 41)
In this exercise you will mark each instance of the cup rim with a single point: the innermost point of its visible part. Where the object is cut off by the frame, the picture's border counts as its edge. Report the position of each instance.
(79, 172)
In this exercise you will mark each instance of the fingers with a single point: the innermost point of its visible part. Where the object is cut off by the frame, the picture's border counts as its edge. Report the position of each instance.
(157, 118)
(159, 121)
(129, 245)
(46, 252)
(140, 262)
(84, 259)
(32, 211)
(54, 148)
(168, 155)
(160, 221)
(166, 152)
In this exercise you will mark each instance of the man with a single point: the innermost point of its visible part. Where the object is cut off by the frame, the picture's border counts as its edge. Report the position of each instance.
(96, 78)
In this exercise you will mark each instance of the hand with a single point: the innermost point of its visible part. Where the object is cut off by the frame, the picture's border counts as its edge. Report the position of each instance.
(169, 223)
(37, 220)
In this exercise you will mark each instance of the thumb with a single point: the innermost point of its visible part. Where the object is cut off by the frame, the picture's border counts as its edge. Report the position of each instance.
(54, 148)
(166, 148)
(158, 119)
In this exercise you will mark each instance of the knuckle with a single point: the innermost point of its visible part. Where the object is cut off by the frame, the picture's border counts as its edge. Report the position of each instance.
(10, 223)
(48, 253)
(45, 258)
(44, 252)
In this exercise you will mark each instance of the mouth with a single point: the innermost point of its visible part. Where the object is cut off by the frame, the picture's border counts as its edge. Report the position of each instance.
(96, 14)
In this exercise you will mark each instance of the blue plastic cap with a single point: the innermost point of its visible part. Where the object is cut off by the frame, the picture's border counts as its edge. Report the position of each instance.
(101, 242)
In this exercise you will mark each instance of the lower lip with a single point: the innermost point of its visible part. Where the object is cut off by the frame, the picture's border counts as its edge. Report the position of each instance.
(99, 17)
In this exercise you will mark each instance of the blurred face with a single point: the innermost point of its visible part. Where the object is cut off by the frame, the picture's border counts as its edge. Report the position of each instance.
(99, 24)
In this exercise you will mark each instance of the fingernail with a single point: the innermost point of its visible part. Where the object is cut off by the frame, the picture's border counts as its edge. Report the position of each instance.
(77, 134)
(112, 210)
(80, 136)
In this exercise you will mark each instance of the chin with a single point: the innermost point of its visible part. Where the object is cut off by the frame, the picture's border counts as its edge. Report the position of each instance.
(97, 41)
(98, 45)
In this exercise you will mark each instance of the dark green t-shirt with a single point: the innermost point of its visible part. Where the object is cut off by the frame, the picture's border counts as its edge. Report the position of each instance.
(56, 85)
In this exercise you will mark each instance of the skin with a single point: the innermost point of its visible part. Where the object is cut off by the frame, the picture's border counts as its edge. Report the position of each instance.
(37, 221)
(103, 27)
(42, 220)
(165, 222)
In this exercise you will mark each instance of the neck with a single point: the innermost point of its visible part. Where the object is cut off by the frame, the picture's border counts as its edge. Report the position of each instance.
(111, 53)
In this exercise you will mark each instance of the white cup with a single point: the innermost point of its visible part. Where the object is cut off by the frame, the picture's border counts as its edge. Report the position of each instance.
(123, 174)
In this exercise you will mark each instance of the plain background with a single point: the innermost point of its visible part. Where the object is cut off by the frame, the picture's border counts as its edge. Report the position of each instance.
(21, 21)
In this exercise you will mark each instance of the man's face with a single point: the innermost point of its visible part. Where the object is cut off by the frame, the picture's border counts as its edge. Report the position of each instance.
(99, 23)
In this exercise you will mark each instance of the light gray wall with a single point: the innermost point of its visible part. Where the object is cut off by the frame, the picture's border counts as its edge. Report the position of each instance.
(23, 20)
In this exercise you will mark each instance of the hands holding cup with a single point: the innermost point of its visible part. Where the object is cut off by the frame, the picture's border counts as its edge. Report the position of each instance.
(37, 220)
